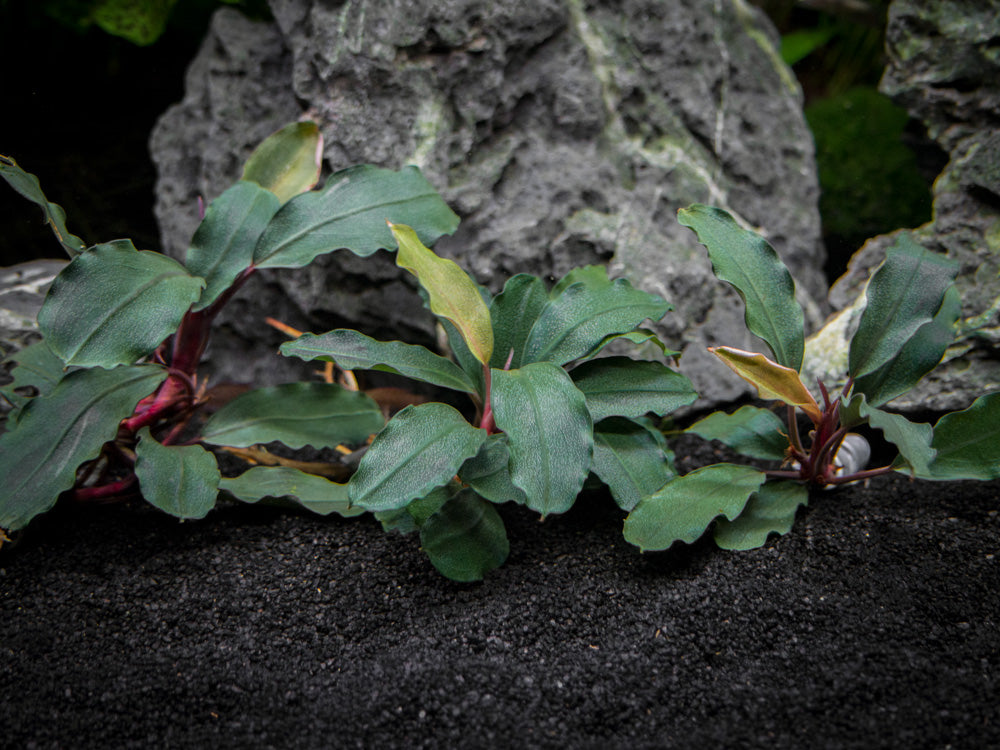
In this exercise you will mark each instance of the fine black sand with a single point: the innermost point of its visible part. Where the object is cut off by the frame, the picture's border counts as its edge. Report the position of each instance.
(873, 625)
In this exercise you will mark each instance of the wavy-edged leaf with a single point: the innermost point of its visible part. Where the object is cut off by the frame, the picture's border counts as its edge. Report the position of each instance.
(114, 305)
(287, 162)
(35, 368)
(684, 507)
(452, 294)
(772, 381)
(771, 510)
(917, 357)
(408, 519)
(904, 294)
(623, 387)
(488, 472)
(355, 351)
(745, 260)
(642, 338)
(549, 431)
(222, 247)
(350, 212)
(60, 430)
(750, 430)
(912, 439)
(967, 443)
(632, 459)
(28, 186)
(180, 480)
(583, 315)
(513, 312)
(284, 485)
(421, 448)
(296, 414)
(465, 539)
(593, 277)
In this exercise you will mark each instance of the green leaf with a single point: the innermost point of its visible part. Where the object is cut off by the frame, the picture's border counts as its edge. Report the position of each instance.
(421, 448)
(772, 381)
(912, 439)
(904, 294)
(684, 507)
(222, 246)
(771, 510)
(273, 484)
(114, 305)
(355, 351)
(745, 260)
(350, 212)
(799, 44)
(642, 338)
(60, 430)
(452, 294)
(466, 538)
(750, 430)
(631, 459)
(967, 443)
(410, 518)
(593, 277)
(288, 162)
(297, 414)
(578, 321)
(918, 356)
(488, 472)
(513, 312)
(36, 368)
(139, 21)
(27, 185)
(180, 480)
(549, 432)
(619, 386)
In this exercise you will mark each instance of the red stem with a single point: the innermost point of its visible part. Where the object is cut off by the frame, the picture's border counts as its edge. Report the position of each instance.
(105, 491)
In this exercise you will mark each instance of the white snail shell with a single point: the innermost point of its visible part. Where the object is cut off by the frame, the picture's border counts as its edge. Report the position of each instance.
(853, 454)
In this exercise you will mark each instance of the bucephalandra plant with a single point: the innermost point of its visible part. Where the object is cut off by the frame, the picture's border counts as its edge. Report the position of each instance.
(103, 404)
(547, 412)
(908, 323)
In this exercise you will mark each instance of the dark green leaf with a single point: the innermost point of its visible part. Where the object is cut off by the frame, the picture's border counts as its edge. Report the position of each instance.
(223, 244)
(350, 212)
(180, 480)
(114, 305)
(745, 260)
(967, 443)
(593, 277)
(578, 321)
(466, 538)
(623, 387)
(60, 430)
(918, 356)
(355, 351)
(684, 507)
(750, 430)
(488, 472)
(514, 311)
(631, 459)
(273, 484)
(771, 510)
(549, 432)
(912, 439)
(288, 162)
(642, 338)
(904, 294)
(37, 368)
(411, 517)
(27, 185)
(297, 414)
(420, 449)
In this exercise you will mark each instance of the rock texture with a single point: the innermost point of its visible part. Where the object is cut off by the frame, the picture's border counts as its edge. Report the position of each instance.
(944, 68)
(563, 133)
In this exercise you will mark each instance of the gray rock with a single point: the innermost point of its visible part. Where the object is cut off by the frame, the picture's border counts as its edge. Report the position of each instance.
(563, 133)
(944, 68)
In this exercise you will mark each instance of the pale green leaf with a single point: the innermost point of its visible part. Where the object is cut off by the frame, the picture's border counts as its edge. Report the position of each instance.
(284, 485)
(772, 381)
(288, 162)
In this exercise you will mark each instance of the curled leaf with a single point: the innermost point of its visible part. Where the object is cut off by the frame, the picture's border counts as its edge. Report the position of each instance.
(772, 381)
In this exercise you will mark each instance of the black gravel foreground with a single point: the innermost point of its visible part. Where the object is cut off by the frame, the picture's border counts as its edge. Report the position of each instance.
(874, 624)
